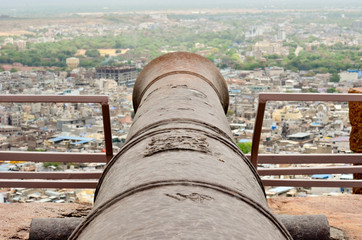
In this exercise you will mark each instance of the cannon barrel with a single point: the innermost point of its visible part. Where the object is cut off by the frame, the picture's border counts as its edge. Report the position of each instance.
(180, 175)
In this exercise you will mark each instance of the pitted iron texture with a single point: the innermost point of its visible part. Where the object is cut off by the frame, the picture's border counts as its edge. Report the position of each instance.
(180, 175)
(224, 214)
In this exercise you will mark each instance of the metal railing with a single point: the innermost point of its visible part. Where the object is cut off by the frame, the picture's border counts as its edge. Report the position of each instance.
(255, 158)
(57, 179)
(90, 179)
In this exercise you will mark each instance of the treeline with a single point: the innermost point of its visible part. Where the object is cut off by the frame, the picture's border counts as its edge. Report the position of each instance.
(220, 46)
(147, 42)
(325, 59)
(42, 54)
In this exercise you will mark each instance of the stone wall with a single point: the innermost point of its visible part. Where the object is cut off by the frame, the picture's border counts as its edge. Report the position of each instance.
(355, 140)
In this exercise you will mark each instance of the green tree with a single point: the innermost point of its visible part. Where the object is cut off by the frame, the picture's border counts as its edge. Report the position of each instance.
(309, 74)
(118, 44)
(332, 90)
(230, 113)
(245, 147)
(322, 70)
(273, 56)
(335, 77)
(291, 55)
(92, 53)
(294, 69)
(54, 164)
(311, 90)
(211, 58)
(13, 70)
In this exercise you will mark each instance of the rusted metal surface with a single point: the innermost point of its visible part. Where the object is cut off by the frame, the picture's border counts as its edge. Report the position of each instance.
(180, 174)
(305, 97)
(52, 228)
(48, 183)
(56, 156)
(50, 175)
(309, 170)
(312, 183)
(189, 65)
(309, 158)
(307, 227)
(52, 156)
(180, 209)
(107, 131)
(101, 99)
(7, 179)
(257, 133)
(265, 97)
(355, 138)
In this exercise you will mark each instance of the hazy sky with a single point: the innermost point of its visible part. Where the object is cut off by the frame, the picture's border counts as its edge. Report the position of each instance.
(63, 6)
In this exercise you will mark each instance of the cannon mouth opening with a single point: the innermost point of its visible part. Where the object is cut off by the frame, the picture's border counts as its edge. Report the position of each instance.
(180, 63)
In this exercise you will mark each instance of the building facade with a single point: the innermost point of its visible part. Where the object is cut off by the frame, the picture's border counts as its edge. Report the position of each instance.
(122, 75)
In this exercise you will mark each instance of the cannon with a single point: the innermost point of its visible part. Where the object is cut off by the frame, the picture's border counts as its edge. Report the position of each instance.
(180, 175)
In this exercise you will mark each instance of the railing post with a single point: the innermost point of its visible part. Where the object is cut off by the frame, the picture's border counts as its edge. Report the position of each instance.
(355, 139)
(107, 131)
(257, 132)
(57, 156)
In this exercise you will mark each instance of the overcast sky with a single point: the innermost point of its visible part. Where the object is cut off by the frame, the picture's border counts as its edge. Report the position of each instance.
(62, 6)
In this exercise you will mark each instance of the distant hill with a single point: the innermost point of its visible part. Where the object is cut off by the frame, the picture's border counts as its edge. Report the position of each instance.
(46, 7)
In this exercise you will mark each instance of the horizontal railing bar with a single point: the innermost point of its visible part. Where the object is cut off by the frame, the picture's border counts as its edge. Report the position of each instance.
(47, 184)
(309, 170)
(54, 98)
(50, 175)
(263, 97)
(52, 157)
(308, 158)
(311, 183)
(93, 184)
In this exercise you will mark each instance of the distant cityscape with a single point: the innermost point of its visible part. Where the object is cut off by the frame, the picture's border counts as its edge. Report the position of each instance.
(268, 54)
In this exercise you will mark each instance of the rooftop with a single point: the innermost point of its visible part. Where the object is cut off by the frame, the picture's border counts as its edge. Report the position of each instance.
(299, 135)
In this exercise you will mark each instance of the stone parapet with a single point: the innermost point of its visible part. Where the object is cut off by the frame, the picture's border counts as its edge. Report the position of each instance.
(355, 139)
(355, 118)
